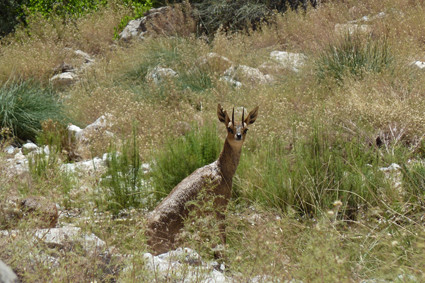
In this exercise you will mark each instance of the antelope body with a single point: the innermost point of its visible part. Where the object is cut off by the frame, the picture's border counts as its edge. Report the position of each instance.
(166, 220)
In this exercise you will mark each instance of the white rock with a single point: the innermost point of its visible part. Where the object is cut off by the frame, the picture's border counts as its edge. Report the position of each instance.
(419, 64)
(87, 58)
(246, 73)
(6, 274)
(131, 30)
(343, 29)
(42, 150)
(158, 74)
(17, 165)
(64, 79)
(10, 149)
(185, 265)
(100, 125)
(29, 147)
(231, 81)
(95, 165)
(391, 168)
(65, 235)
(289, 60)
(146, 167)
(74, 130)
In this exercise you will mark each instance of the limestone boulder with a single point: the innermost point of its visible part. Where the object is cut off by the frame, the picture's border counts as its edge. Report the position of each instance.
(159, 74)
(164, 21)
(185, 265)
(289, 60)
(349, 28)
(6, 274)
(246, 74)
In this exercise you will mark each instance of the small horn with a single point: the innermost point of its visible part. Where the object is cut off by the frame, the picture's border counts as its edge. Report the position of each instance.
(233, 116)
(243, 116)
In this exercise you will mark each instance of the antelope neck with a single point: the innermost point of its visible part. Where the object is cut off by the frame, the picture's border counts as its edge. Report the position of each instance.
(229, 160)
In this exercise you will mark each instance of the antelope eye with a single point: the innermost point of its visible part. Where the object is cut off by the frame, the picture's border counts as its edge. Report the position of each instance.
(244, 131)
(230, 130)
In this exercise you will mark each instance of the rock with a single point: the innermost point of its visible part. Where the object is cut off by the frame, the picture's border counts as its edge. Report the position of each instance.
(394, 175)
(247, 74)
(419, 64)
(6, 274)
(344, 29)
(89, 167)
(43, 211)
(231, 81)
(10, 149)
(184, 265)
(17, 165)
(131, 30)
(63, 68)
(29, 147)
(167, 20)
(74, 130)
(66, 237)
(214, 62)
(63, 240)
(146, 167)
(289, 60)
(96, 128)
(64, 79)
(393, 167)
(158, 74)
(87, 58)
(82, 139)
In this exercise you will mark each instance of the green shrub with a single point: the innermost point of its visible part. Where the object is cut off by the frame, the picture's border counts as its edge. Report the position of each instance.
(181, 156)
(24, 106)
(123, 183)
(319, 170)
(10, 11)
(240, 14)
(355, 57)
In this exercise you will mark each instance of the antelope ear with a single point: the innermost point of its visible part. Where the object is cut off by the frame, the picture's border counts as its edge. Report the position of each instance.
(252, 116)
(222, 115)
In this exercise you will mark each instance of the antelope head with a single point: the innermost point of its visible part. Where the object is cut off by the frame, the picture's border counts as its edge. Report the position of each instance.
(236, 131)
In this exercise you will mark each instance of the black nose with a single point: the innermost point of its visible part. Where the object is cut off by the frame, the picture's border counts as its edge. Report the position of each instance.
(238, 136)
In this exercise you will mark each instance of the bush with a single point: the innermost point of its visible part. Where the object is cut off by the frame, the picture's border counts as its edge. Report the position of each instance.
(24, 106)
(180, 157)
(240, 14)
(14, 11)
(123, 183)
(355, 57)
(320, 170)
(10, 15)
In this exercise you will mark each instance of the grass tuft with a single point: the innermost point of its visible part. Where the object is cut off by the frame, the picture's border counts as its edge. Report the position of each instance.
(24, 106)
(354, 56)
(180, 157)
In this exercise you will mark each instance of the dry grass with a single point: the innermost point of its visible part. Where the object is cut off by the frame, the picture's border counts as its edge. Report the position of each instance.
(33, 52)
(382, 242)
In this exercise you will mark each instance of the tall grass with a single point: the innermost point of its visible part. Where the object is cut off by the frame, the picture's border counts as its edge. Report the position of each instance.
(181, 156)
(24, 106)
(354, 56)
(319, 170)
(123, 183)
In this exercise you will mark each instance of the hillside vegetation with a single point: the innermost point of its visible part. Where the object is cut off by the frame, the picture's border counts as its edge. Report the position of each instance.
(314, 197)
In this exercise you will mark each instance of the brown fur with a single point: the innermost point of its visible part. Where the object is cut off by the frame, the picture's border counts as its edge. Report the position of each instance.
(166, 220)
